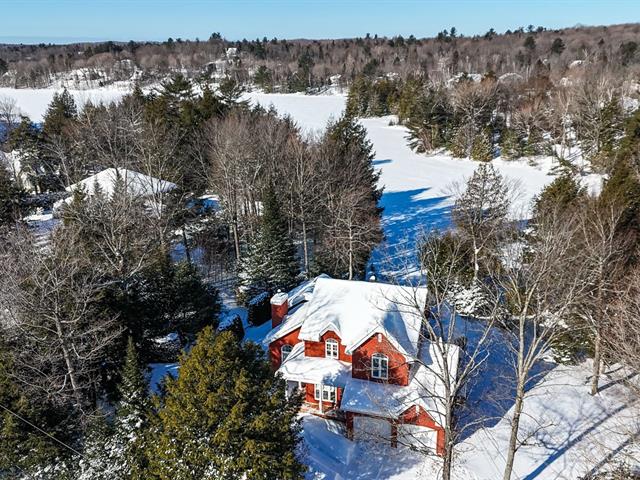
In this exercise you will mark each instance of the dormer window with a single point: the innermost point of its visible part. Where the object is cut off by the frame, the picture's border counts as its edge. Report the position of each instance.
(379, 366)
(331, 348)
(285, 351)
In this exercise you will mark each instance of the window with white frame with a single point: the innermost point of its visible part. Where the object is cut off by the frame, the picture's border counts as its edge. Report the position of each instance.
(285, 350)
(328, 393)
(331, 348)
(379, 366)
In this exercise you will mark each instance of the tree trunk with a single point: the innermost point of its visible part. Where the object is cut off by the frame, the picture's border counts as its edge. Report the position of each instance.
(447, 462)
(69, 364)
(186, 244)
(305, 247)
(597, 363)
(476, 264)
(236, 240)
(515, 425)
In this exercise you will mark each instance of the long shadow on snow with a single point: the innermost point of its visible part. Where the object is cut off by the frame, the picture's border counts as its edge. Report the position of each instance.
(404, 218)
(490, 392)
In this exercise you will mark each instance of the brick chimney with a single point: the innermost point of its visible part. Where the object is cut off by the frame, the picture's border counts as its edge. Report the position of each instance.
(279, 308)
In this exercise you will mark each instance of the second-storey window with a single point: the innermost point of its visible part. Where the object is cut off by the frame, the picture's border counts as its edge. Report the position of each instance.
(379, 366)
(328, 393)
(285, 351)
(331, 348)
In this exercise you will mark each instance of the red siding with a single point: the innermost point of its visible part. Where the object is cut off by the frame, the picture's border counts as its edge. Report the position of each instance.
(276, 345)
(423, 419)
(398, 366)
(316, 349)
(309, 397)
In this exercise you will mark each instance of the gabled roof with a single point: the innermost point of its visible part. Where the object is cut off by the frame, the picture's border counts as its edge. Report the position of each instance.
(136, 183)
(357, 310)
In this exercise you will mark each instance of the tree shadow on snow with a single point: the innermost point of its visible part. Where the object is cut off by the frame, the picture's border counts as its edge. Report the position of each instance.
(490, 393)
(405, 218)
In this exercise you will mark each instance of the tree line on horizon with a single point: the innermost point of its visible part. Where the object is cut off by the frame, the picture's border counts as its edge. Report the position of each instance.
(311, 65)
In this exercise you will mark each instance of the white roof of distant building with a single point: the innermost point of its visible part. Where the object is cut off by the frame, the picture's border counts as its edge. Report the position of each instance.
(137, 184)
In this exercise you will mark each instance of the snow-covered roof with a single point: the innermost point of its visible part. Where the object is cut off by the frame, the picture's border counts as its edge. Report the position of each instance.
(136, 183)
(425, 389)
(297, 299)
(327, 371)
(292, 321)
(357, 310)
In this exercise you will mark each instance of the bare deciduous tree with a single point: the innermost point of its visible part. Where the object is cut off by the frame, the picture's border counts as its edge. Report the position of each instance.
(49, 301)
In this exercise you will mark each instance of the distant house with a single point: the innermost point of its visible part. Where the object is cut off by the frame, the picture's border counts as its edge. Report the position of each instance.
(358, 352)
(135, 183)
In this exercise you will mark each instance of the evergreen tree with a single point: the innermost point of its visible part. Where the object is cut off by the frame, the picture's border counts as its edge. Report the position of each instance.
(510, 144)
(559, 194)
(430, 120)
(270, 263)
(482, 147)
(10, 198)
(481, 211)
(225, 417)
(24, 448)
(40, 170)
(60, 112)
(97, 461)
(558, 46)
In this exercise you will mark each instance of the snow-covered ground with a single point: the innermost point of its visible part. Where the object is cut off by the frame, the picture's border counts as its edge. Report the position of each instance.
(578, 431)
(34, 102)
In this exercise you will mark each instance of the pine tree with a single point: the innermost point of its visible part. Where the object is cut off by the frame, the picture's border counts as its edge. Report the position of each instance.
(97, 461)
(559, 194)
(23, 448)
(10, 198)
(60, 112)
(510, 144)
(481, 210)
(270, 262)
(225, 417)
(458, 144)
(482, 147)
(128, 442)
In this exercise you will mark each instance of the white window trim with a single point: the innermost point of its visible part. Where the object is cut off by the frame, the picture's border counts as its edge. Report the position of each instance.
(283, 357)
(328, 393)
(331, 348)
(378, 372)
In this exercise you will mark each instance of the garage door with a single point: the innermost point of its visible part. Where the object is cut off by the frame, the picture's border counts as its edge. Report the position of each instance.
(368, 428)
(422, 438)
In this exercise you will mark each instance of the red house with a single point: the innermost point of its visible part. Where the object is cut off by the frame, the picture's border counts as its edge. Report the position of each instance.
(358, 352)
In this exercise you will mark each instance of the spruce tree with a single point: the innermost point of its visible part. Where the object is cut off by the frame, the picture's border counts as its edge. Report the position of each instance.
(225, 417)
(482, 147)
(270, 263)
(60, 112)
(559, 194)
(22, 447)
(128, 442)
(10, 198)
(510, 144)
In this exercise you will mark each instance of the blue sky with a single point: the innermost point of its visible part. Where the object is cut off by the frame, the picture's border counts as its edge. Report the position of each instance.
(70, 20)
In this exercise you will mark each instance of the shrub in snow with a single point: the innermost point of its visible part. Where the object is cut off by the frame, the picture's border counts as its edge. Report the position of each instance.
(469, 301)
(258, 309)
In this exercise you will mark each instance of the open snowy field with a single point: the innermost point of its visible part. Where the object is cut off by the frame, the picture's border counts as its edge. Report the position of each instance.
(571, 431)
